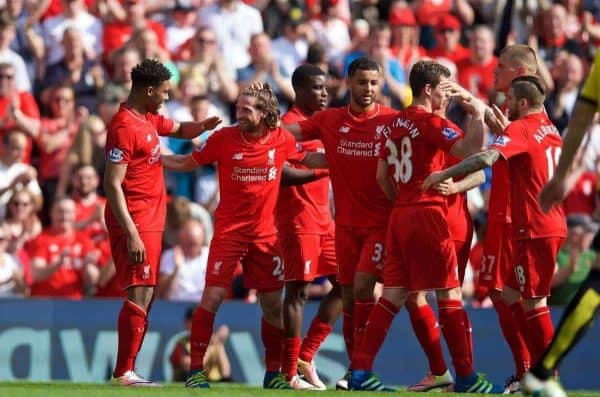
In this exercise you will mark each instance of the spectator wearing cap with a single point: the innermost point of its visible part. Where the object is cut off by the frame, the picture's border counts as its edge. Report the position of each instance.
(18, 109)
(182, 26)
(575, 258)
(117, 33)
(7, 36)
(447, 35)
(405, 37)
(234, 24)
(290, 49)
(74, 15)
(477, 71)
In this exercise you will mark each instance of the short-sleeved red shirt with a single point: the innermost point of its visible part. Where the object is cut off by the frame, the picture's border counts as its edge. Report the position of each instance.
(132, 139)
(304, 208)
(353, 144)
(85, 211)
(249, 177)
(532, 146)
(418, 145)
(582, 199)
(29, 107)
(478, 79)
(67, 281)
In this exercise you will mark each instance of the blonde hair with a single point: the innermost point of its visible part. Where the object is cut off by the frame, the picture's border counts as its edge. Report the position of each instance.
(267, 102)
(521, 55)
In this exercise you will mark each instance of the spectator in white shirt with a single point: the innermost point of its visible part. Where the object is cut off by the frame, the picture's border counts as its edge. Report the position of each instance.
(291, 48)
(183, 268)
(7, 36)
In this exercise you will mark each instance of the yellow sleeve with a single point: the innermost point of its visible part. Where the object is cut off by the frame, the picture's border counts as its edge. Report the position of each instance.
(591, 88)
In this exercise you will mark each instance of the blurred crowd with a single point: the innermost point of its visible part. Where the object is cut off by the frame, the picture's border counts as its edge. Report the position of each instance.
(65, 67)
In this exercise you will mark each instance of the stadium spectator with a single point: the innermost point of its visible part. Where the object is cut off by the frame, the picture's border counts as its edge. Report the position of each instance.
(89, 205)
(28, 41)
(330, 30)
(107, 285)
(575, 259)
(234, 23)
(476, 73)
(63, 260)
(13, 282)
(290, 49)
(18, 109)
(109, 98)
(75, 16)
(551, 29)
(121, 62)
(135, 215)
(22, 221)
(145, 41)
(583, 198)
(568, 78)
(216, 360)
(7, 55)
(405, 36)
(447, 35)
(182, 27)
(183, 267)
(74, 67)
(14, 174)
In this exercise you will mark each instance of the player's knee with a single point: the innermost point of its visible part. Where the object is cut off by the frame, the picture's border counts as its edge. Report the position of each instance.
(510, 296)
(415, 300)
(363, 287)
(449, 294)
(296, 296)
(534, 303)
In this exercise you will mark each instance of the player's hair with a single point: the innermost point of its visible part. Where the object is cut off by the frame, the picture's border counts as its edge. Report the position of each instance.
(521, 55)
(529, 88)
(362, 63)
(265, 101)
(302, 75)
(426, 72)
(81, 165)
(149, 73)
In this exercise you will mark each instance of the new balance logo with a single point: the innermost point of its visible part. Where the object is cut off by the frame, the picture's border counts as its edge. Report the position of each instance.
(344, 129)
(238, 156)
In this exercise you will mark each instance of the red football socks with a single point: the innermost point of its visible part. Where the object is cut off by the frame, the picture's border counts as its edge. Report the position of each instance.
(348, 331)
(379, 323)
(291, 350)
(427, 332)
(512, 334)
(362, 309)
(272, 338)
(469, 330)
(202, 328)
(131, 327)
(541, 330)
(453, 328)
(317, 332)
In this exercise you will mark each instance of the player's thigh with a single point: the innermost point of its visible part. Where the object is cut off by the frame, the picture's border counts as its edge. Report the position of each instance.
(535, 261)
(224, 256)
(347, 248)
(129, 274)
(327, 258)
(300, 256)
(463, 250)
(263, 266)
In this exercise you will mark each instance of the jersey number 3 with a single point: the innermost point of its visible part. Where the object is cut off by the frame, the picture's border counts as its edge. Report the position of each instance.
(403, 168)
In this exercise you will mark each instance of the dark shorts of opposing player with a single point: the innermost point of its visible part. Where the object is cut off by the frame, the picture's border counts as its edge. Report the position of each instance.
(359, 250)
(262, 263)
(129, 274)
(498, 257)
(421, 254)
(308, 256)
(534, 264)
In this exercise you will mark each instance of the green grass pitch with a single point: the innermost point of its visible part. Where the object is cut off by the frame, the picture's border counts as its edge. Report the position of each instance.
(67, 389)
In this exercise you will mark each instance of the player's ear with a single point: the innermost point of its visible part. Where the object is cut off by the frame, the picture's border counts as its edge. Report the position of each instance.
(149, 90)
(428, 89)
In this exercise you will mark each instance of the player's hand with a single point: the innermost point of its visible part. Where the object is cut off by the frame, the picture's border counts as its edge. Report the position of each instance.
(553, 193)
(455, 90)
(433, 179)
(446, 188)
(500, 116)
(211, 123)
(136, 250)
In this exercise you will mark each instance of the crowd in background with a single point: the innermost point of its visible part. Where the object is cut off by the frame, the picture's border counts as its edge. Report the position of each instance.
(65, 67)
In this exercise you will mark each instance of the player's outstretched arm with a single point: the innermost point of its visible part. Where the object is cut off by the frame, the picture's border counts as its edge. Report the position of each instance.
(192, 129)
(315, 160)
(384, 180)
(475, 162)
(291, 176)
(558, 187)
(294, 129)
(179, 162)
(474, 139)
(449, 187)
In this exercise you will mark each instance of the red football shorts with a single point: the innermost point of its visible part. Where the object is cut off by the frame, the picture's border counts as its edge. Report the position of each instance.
(497, 259)
(261, 262)
(535, 261)
(359, 249)
(128, 274)
(421, 254)
(308, 256)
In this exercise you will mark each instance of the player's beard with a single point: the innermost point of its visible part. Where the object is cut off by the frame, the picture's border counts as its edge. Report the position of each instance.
(248, 126)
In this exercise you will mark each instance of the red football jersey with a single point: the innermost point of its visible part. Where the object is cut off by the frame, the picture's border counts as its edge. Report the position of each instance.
(84, 212)
(133, 140)
(459, 219)
(418, 145)
(249, 177)
(67, 281)
(582, 199)
(532, 146)
(304, 208)
(352, 146)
